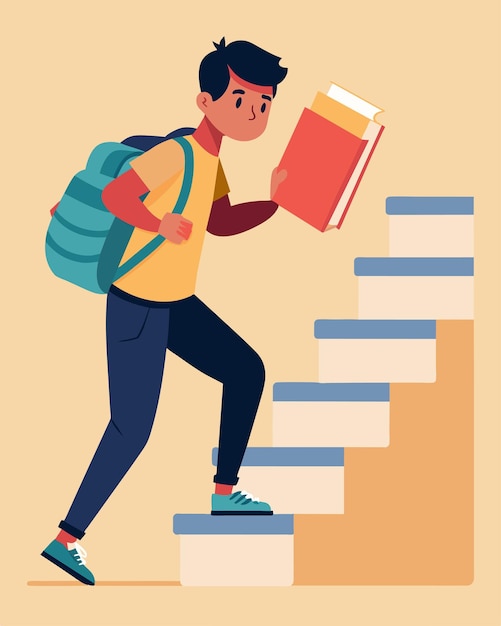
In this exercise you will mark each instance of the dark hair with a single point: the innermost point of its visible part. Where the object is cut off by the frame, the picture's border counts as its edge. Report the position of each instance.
(246, 60)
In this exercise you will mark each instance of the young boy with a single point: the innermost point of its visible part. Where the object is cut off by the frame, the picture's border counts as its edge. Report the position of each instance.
(153, 308)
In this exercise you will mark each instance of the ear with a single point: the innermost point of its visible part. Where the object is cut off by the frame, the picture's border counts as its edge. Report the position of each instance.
(204, 100)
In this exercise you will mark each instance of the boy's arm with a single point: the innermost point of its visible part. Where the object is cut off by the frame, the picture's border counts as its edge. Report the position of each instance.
(122, 197)
(226, 219)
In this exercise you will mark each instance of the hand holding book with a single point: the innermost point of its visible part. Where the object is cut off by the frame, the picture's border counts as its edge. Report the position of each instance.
(277, 176)
(327, 156)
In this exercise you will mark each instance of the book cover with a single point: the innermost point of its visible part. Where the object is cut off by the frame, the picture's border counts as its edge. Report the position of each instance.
(327, 156)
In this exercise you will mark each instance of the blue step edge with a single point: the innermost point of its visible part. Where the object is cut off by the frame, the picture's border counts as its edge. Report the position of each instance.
(410, 266)
(204, 524)
(429, 205)
(331, 392)
(290, 457)
(375, 329)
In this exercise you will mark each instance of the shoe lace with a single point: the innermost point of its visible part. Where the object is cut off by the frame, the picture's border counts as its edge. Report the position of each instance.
(249, 496)
(79, 553)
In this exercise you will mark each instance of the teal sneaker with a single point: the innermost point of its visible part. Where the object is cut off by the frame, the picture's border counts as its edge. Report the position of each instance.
(239, 503)
(71, 560)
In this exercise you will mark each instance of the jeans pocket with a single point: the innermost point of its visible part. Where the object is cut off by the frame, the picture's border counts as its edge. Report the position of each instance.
(125, 320)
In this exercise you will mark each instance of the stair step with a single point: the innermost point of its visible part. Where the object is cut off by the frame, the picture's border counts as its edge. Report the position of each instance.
(331, 414)
(289, 457)
(275, 475)
(430, 226)
(204, 524)
(331, 392)
(415, 288)
(413, 266)
(229, 551)
(376, 351)
(429, 205)
(375, 329)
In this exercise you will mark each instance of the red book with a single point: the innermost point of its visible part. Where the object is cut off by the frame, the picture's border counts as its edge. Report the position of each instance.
(325, 161)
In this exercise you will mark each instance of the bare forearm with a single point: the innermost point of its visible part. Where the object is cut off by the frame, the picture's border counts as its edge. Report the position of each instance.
(122, 198)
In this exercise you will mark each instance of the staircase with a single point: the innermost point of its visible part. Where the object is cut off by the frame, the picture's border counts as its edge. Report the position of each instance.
(370, 473)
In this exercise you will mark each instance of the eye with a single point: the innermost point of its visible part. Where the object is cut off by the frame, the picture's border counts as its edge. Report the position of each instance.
(263, 107)
(238, 102)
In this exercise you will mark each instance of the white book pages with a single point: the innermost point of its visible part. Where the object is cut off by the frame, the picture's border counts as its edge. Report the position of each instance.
(370, 136)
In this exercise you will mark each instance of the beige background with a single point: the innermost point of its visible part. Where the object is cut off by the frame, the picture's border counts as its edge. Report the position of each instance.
(75, 74)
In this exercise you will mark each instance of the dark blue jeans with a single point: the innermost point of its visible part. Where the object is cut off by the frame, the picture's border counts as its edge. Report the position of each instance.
(138, 334)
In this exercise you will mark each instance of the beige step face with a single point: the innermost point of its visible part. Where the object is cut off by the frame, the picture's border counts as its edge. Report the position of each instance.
(330, 414)
(230, 551)
(298, 490)
(376, 351)
(294, 479)
(431, 236)
(416, 297)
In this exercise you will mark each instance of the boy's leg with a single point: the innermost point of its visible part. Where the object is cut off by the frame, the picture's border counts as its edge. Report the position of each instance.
(136, 344)
(201, 338)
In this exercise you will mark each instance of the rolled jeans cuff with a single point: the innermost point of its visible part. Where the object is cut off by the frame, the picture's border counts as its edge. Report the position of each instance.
(75, 532)
(221, 480)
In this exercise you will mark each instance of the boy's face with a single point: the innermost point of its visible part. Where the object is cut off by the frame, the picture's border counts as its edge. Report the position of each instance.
(241, 112)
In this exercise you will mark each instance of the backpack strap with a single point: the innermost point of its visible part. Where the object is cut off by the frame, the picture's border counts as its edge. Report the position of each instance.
(146, 142)
(150, 247)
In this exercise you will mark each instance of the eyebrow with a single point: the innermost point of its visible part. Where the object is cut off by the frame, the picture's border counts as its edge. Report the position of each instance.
(243, 92)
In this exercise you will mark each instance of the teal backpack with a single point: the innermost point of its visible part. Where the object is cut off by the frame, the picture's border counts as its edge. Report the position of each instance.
(85, 242)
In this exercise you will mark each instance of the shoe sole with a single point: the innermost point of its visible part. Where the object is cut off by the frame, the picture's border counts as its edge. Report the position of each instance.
(241, 513)
(66, 568)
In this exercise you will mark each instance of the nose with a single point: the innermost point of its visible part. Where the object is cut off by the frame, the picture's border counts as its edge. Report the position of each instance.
(252, 112)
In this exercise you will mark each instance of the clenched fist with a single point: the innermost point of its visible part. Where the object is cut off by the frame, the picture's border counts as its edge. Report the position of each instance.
(175, 228)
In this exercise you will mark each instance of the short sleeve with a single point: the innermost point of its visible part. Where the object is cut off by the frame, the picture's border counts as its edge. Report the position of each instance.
(159, 164)
(221, 189)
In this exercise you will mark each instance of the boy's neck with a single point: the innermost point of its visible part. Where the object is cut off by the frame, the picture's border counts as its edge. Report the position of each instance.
(208, 137)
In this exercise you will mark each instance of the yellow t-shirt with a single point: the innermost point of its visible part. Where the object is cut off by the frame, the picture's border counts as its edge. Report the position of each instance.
(170, 272)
